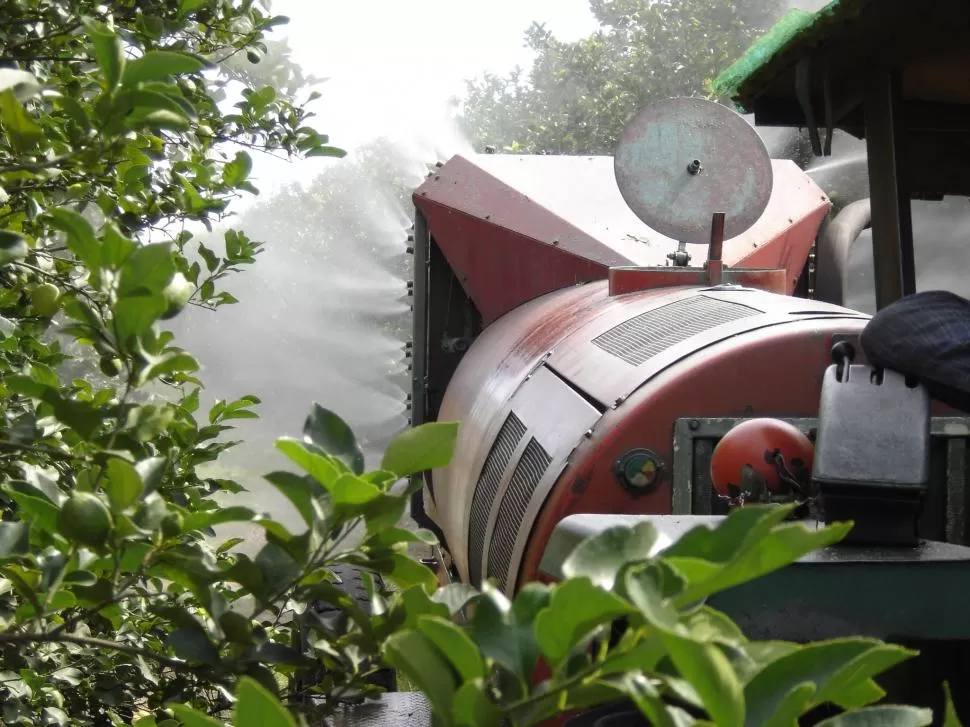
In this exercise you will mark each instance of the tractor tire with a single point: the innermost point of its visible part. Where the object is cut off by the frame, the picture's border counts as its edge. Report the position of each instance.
(352, 583)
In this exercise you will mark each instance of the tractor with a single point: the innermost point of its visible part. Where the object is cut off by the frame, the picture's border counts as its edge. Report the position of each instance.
(598, 326)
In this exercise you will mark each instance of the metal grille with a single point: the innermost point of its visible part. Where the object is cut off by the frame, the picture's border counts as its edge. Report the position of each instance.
(644, 336)
(498, 459)
(516, 499)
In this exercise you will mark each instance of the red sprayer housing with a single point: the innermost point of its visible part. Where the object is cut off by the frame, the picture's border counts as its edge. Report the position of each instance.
(549, 326)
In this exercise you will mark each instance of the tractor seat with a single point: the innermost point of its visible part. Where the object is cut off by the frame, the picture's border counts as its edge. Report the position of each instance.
(925, 336)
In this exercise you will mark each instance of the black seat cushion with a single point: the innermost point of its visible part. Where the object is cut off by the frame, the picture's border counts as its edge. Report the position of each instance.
(927, 336)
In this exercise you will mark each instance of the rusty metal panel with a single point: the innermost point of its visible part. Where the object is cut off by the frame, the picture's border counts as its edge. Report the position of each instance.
(556, 417)
(500, 269)
(512, 237)
(783, 237)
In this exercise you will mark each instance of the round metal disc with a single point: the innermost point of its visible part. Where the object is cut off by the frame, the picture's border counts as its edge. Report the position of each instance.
(656, 167)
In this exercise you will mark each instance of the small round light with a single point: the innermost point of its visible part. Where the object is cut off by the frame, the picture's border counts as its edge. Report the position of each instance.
(639, 470)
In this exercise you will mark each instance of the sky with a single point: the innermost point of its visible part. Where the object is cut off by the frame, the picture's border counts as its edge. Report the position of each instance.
(392, 66)
(396, 57)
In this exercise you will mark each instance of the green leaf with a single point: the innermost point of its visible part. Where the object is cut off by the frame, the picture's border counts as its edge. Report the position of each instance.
(21, 129)
(333, 435)
(80, 578)
(148, 269)
(304, 492)
(151, 471)
(13, 248)
(116, 248)
(473, 708)
(405, 572)
(237, 171)
(601, 557)
(504, 631)
(415, 655)
(173, 363)
(107, 50)
(14, 538)
(950, 718)
(318, 466)
(455, 644)
(425, 447)
(835, 668)
(889, 715)
(862, 695)
(124, 485)
(644, 588)
(708, 670)
(134, 317)
(643, 694)
(577, 608)
(237, 627)
(193, 645)
(455, 596)
(141, 101)
(192, 718)
(81, 239)
(68, 675)
(160, 119)
(763, 548)
(326, 151)
(159, 65)
(187, 6)
(353, 491)
(148, 421)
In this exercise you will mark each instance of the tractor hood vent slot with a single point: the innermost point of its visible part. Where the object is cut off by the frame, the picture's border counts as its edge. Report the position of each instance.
(491, 476)
(637, 340)
(532, 465)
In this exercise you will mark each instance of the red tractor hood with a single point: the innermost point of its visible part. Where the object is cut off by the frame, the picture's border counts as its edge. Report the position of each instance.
(515, 227)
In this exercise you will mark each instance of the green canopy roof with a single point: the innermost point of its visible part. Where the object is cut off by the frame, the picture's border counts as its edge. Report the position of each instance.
(797, 31)
(820, 70)
(842, 44)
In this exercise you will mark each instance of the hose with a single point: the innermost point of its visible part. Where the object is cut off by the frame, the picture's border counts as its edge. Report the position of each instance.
(832, 253)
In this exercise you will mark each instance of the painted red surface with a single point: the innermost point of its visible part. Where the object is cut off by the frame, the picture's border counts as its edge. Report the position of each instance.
(631, 280)
(773, 372)
(507, 249)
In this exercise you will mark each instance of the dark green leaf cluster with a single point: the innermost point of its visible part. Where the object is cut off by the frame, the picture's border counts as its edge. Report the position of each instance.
(624, 625)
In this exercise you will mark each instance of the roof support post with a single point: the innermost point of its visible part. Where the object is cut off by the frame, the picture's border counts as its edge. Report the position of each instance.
(892, 222)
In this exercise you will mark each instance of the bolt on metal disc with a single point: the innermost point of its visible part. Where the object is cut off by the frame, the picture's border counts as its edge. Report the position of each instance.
(681, 160)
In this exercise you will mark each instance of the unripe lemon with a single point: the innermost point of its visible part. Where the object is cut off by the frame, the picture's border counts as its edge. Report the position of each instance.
(46, 299)
(172, 524)
(177, 294)
(110, 366)
(85, 519)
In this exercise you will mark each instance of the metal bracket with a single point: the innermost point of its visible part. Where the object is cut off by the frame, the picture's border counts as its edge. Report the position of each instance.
(803, 92)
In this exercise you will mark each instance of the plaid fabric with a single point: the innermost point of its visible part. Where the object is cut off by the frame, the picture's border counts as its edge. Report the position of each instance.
(925, 335)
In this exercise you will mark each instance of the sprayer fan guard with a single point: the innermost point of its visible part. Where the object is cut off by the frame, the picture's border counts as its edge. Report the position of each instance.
(656, 169)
